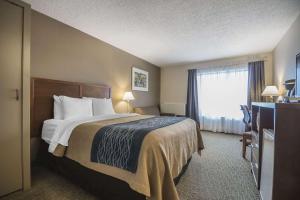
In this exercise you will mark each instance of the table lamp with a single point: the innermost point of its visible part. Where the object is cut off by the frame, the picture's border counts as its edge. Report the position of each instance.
(128, 96)
(271, 91)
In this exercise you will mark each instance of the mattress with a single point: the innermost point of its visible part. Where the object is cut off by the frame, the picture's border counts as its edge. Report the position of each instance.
(57, 132)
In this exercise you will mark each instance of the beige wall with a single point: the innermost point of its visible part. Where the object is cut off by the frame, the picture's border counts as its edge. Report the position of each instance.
(61, 52)
(285, 53)
(174, 79)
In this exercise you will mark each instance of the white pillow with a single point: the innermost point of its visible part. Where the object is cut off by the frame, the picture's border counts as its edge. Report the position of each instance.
(76, 107)
(102, 106)
(58, 107)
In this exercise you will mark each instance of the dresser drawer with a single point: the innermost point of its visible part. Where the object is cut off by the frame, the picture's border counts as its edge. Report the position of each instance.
(254, 155)
(254, 168)
(254, 152)
(255, 137)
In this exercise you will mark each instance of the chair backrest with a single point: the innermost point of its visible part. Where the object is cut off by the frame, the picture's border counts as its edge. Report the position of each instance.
(247, 116)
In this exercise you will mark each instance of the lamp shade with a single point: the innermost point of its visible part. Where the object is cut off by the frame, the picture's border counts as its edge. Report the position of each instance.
(128, 96)
(270, 90)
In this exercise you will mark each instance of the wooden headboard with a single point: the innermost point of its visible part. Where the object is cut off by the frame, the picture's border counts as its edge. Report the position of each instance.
(42, 91)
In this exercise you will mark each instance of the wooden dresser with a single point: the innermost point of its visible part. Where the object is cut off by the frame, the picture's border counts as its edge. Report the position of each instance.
(275, 148)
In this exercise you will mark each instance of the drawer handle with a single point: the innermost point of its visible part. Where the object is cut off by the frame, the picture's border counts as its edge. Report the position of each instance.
(17, 94)
(255, 146)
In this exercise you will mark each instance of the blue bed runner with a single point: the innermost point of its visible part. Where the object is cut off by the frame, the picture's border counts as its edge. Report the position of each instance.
(119, 145)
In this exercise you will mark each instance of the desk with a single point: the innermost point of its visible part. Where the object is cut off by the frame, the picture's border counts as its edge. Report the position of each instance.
(262, 118)
(275, 150)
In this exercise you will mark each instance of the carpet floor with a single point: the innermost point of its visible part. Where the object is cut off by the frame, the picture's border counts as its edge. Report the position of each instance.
(219, 174)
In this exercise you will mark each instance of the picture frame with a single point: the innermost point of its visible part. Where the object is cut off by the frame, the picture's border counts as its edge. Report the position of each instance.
(140, 80)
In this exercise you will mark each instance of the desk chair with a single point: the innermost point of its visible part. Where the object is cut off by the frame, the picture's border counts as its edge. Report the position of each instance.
(247, 137)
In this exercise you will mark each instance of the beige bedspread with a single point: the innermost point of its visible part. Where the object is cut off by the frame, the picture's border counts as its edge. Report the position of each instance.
(163, 154)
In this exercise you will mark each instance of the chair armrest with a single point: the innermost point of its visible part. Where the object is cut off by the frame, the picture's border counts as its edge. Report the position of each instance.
(167, 114)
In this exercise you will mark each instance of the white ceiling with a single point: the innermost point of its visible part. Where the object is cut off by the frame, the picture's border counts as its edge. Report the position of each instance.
(170, 32)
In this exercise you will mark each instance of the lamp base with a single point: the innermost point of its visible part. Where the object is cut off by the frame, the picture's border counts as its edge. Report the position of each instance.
(128, 107)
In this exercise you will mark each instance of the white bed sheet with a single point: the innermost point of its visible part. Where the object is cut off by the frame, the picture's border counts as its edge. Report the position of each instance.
(56, 131)
(49, 128)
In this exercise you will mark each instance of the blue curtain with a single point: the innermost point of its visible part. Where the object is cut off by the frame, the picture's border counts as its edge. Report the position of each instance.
(192, 109)
(256, 81)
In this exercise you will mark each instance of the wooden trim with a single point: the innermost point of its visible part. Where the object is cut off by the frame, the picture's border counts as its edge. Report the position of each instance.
(26, 96)
(20, 3)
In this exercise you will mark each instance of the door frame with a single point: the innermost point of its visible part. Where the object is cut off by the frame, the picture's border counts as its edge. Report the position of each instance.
(25, 93)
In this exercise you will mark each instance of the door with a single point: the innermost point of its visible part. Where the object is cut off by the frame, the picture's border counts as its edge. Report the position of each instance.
(11, 31)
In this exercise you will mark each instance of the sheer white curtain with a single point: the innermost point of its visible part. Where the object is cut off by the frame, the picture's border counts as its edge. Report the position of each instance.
(221, 91)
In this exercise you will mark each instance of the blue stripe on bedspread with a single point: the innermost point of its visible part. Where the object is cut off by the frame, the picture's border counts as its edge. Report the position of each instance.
(119, 145)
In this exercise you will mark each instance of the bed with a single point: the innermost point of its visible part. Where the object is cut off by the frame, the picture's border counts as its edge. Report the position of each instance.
(163, 156)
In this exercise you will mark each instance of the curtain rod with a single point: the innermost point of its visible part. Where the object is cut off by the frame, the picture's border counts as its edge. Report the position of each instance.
(231, 63)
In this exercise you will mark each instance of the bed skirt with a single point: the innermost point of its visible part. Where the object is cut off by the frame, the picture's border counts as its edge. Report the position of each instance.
(103, 186)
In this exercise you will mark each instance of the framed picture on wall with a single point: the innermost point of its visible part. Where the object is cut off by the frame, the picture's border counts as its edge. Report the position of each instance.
(140, 79)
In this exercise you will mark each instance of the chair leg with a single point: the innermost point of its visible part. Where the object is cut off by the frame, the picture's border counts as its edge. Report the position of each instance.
(244, 146)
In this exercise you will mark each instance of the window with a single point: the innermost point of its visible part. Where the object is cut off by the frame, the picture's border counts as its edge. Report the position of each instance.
(221, 92)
